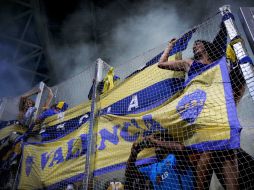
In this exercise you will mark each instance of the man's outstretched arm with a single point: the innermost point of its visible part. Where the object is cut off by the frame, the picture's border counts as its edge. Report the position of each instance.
(171, 145)
(132, 171)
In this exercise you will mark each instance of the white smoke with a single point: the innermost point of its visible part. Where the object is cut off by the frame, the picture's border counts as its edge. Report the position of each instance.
(125, 33)
(71, 59)
(144, 31)
(143, 26)
(121, 31)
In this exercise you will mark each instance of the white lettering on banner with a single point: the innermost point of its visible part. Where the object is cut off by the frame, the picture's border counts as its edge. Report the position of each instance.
(133, 103)
(109, 110)
(60, 116)
(61, 126)
(83, 117)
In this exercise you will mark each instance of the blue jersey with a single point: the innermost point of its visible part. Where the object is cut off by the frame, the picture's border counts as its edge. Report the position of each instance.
(164, 175)
(196, 68)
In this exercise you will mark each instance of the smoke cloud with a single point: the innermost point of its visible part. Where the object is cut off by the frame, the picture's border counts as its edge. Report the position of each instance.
(116, 32)
(128, 32)
(123, 30)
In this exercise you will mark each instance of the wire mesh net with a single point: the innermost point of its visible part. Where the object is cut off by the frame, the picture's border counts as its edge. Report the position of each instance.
(44, 133)
(13, 114)
(171, 123)
(76, 89)
(176, 126)
(57, 143)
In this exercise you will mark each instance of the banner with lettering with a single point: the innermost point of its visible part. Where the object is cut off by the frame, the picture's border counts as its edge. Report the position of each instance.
(199, 112)
(46, 164)
(7, 127)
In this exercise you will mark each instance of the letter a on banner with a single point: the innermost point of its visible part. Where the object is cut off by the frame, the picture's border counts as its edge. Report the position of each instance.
(133, 103)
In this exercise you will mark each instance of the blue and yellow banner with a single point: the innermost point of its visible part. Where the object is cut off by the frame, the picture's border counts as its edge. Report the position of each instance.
(48, 163)
(180, 45)
(60, 158)
(7, 127)
(199, 112)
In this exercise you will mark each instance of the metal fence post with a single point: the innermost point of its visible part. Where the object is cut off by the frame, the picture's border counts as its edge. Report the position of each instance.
(3, 102)
(38, 99)
(91, 140)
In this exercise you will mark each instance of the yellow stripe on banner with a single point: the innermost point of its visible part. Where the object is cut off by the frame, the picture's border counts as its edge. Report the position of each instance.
(119, 92)
(151, 75)
(6, 131)
(122, 149)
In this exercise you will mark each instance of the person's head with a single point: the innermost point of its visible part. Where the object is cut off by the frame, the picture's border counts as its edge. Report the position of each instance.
(203, 48)
(28, 103)
(53, 106)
